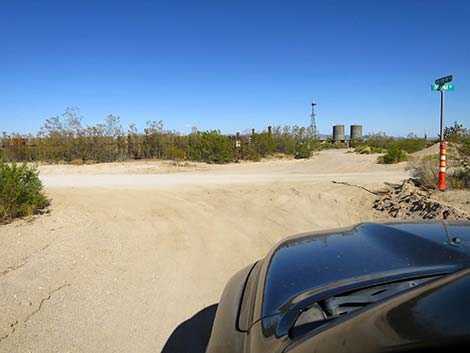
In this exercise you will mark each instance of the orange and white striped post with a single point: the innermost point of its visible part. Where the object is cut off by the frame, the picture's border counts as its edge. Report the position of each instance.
(441, 84)
(441, 185)
(442, 166)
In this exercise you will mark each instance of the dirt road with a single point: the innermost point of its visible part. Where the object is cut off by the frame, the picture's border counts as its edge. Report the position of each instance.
(132, 256)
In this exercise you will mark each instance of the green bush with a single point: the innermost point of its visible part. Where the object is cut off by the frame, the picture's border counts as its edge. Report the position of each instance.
(366, 149)
(173, 152)
(380, 143)
(412, 145)
(21, 191)
(264, 144)
(302, 151)
(393, 155)
(248, 152)
(330, 144)
(211, 147)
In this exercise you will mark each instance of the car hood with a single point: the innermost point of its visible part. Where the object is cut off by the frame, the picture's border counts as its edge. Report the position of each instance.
(305, 265)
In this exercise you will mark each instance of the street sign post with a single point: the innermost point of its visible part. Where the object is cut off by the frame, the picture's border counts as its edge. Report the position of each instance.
(442, 85)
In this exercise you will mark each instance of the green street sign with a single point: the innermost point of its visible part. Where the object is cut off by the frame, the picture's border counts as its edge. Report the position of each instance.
(448, 88)
(443, 80)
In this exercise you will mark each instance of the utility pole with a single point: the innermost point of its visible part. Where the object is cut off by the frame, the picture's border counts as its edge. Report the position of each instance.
(442, 85)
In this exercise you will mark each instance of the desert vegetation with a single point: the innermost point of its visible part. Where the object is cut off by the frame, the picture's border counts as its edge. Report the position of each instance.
(394, 150)
(425, 169)
(21, 191)
(65, 139)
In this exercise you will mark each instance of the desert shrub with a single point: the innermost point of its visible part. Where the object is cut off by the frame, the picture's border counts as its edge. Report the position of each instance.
(380, 143)
(211, 147)
(65, 139)
(379, 140)
(248, 152)
(21, 191)
(302, 151)
(330, 144)
(456, 133)
(393, 155)
(426, 170)
(295, 141)
(264, 144)
(173, 152)
(457, 180)
(461, 166)
(464, 147)
(365, 149)
(413, 144)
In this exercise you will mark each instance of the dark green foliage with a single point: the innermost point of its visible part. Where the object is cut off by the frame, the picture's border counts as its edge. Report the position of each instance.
(20, 191)
(264, 144)
(210, 147)
(302, 151)
(394, 155)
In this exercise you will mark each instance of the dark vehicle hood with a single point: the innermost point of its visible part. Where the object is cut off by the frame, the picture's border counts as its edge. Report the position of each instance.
(303, 266)
(261, 307)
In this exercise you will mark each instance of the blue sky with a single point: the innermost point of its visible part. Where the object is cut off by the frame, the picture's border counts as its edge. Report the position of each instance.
(234, 65)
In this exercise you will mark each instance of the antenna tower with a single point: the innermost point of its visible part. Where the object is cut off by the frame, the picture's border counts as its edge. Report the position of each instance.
(313, 124)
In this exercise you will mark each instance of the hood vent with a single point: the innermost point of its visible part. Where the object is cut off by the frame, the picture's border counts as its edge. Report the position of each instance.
(342, 304)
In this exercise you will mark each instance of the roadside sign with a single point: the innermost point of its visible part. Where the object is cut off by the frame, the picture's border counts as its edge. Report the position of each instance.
(448, 88)
(443, 80)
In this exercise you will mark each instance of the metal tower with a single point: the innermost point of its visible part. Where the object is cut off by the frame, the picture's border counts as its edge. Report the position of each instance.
(313, 125)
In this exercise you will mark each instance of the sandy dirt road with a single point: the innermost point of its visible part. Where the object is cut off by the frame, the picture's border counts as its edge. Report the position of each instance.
(132, 256)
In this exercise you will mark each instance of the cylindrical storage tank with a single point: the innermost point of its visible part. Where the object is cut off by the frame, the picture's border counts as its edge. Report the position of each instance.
(338, 133)
(356, 132)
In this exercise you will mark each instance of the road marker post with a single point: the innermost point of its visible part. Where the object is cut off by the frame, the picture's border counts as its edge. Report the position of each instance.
(442, 85)
(442, 166)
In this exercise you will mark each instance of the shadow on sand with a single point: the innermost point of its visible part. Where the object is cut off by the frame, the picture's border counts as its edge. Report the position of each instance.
(193, 334)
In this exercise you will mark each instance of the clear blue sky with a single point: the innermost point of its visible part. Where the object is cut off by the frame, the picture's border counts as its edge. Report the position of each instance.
(234, 65)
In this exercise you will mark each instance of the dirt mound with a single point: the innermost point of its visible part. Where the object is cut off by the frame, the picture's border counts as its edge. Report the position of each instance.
(409, 201)
(434, 149)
